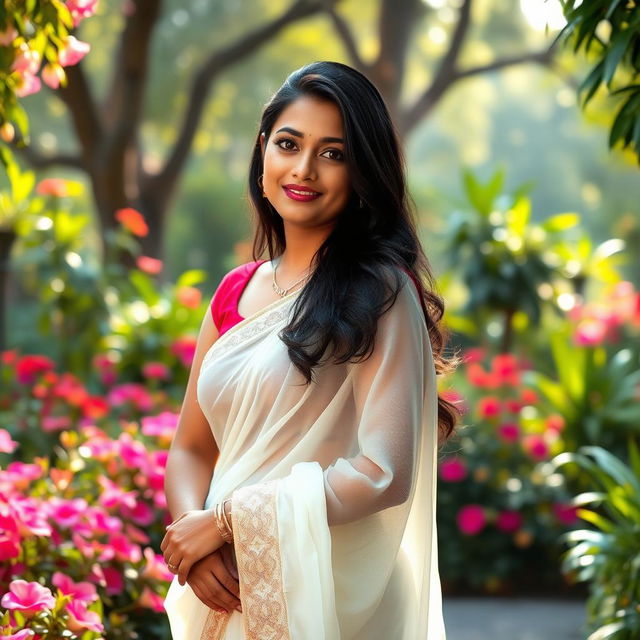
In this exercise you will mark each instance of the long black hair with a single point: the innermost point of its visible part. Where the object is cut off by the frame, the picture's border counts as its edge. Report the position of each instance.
(355, 278)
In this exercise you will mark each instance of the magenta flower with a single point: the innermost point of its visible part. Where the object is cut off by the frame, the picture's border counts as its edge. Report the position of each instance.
(79, 590)
(489, 406)
(20, 635)
(156, 567)
(163, 425)
(81, 619)
(27, 597)
(509, 432)
(67, 513)
(535, 446)
(471, 519)
(7, 445)
(132, 452)
(509, 520)
(453, 469)
(565, 513)
(130, 392)
(81, 9)
(156, 371)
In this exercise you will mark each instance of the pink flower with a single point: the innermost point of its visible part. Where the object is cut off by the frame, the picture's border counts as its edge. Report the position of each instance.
(535, 446)
(132, 452)
(66, 513)
(113, 496)
(53, 75)
(130, 393)
(471, 519)
(30, 84)
(20, 635)
(162, 425)
(453, 469)
(475, 354)
(81, 619)
(79, 590)
(489, 406)
(74, 50)
(141, 514)
(114, 581)
(81, 9)
(149, 265)
(123, 549)
(184, 349)
(151, 600)
(509, 432)
(7, 445)
(156, 568)
(509, 521)
(26, 61)
(51, 424)
(27, 597)
(155, 371)
(590, 332)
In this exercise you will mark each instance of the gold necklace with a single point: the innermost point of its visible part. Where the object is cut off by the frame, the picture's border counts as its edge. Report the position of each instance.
(283, 292)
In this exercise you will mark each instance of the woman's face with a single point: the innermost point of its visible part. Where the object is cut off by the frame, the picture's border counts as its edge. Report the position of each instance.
(305, 153)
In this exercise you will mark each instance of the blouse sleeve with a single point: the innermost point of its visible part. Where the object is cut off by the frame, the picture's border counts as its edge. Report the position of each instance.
(389, 392)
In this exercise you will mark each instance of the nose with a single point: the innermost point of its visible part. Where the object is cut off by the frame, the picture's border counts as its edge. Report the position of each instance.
(305, 166)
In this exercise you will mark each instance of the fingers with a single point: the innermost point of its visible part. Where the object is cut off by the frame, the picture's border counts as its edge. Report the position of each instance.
(224, 577)
(210, 588)
(228, 557)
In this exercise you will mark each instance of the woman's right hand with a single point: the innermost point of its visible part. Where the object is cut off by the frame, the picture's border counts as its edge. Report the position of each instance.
(214, 579)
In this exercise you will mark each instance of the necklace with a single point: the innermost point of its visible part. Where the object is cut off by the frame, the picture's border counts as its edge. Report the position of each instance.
(283, 292)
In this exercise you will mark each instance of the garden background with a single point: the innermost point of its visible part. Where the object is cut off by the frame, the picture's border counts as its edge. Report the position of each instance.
(126, 129)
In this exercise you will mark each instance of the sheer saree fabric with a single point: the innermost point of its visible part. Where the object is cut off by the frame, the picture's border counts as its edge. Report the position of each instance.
(333, 485)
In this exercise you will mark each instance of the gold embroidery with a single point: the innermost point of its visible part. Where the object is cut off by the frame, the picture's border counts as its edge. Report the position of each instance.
(247, 328)
(215, 626)
(255, 531)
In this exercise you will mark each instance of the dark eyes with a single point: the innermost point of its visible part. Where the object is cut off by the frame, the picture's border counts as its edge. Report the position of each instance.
(284, 142)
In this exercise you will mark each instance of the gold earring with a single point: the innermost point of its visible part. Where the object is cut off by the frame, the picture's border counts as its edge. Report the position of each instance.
(260, 185)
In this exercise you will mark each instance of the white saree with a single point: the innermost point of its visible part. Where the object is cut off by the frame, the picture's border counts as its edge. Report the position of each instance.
(333, 485)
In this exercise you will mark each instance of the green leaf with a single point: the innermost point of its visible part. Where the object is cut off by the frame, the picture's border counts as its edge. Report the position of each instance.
(617, 49)
(191, 277)
(611, 465)
(596, 519)
(561, 221)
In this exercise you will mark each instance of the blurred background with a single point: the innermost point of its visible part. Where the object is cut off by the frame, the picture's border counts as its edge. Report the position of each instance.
(126, 130)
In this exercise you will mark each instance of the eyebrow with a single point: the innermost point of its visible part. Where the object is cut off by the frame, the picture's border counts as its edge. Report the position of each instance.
(293, 132)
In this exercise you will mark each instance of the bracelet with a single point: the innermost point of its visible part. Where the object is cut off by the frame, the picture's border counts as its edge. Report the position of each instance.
(221, 522)
(227, 522)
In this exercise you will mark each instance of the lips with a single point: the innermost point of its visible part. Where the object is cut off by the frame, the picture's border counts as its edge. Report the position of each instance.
(302, 194)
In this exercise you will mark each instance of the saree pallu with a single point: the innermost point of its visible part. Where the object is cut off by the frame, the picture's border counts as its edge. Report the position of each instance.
(333, 485)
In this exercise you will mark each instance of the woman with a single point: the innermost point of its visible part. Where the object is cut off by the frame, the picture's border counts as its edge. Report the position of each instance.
(316, 374)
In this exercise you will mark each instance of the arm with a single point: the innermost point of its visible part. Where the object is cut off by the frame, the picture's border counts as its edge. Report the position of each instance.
(388, 392)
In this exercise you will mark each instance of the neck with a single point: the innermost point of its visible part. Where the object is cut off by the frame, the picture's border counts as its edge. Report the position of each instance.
(301, 245)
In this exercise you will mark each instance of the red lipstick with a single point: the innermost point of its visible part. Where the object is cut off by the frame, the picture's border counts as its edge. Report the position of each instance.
(300, 192)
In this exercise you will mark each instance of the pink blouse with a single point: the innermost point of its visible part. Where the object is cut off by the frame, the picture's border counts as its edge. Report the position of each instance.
(224, 304)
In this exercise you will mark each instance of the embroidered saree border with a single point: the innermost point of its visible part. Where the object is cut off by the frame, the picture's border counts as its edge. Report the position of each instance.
(255, 527)
(215, 625)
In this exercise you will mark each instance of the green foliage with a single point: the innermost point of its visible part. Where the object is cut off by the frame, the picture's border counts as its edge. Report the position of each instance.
(607, 556)
(608, 31)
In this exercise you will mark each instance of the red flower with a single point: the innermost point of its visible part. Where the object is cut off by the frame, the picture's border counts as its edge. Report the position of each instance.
(535, 446)
(30, 366)
(133, 221)
(489, 406)
(53, 187)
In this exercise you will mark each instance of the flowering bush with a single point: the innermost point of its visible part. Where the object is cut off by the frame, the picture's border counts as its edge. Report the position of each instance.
(499, 510)
(80, 529)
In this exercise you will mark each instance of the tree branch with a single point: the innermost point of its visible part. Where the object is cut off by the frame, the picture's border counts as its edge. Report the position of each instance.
(430, 97)
(345, 34)
(217, 62)
(38, 160)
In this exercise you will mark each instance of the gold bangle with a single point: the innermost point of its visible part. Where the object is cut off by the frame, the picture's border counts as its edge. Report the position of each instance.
(227, 521)
(224, 532)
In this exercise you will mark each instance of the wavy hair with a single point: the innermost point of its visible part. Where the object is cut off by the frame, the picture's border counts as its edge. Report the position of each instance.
(337, 310)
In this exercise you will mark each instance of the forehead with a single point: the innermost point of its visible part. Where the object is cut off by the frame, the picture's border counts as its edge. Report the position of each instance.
(312, 116)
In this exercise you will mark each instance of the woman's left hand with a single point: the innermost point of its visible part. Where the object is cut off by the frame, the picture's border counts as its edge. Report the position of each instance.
(188, 539)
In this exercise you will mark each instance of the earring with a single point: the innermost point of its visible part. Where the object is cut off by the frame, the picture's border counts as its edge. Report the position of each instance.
(260, 185)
